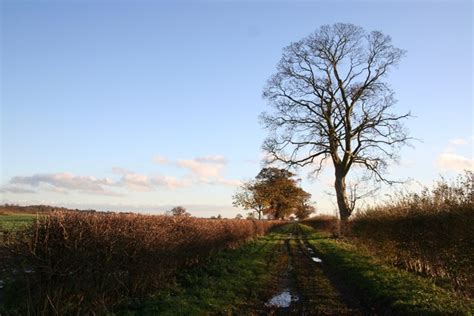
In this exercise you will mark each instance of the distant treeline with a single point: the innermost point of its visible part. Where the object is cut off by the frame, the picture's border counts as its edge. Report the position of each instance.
(31, 209)
(44, 209)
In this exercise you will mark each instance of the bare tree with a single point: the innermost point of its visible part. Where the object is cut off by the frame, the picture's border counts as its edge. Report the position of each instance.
(331, 102)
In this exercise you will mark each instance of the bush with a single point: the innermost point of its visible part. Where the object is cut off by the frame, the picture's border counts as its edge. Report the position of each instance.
(81, 263)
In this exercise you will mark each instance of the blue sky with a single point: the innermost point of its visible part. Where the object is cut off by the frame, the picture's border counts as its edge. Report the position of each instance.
(142, 105)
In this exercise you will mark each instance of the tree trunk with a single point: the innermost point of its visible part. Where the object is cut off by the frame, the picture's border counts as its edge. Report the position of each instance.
(342, 201)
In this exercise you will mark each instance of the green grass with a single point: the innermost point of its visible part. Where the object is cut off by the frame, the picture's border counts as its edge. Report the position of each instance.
(15, 221)
(386, 287)
(228, 284)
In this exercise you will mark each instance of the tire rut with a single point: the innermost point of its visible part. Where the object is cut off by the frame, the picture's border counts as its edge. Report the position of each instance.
(312, 290)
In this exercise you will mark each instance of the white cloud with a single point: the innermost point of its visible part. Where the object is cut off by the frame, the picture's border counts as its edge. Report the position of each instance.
(68, 182)
(203, 170)
(136, 182)
(170, 182)
(119, 170)
(216, 159)
(65, 181)
(448, 161)
(160, 160)
(57, 190)
(458, 141)
(207, 170)
(143, 183)
(15, 189)
(203, 167)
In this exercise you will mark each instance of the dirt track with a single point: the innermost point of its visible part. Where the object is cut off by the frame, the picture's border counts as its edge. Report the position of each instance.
(305, 284)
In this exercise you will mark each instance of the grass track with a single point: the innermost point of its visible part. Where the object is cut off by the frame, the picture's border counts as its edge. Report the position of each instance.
(320, 295)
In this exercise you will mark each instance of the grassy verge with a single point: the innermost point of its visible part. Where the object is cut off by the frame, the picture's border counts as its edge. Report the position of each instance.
(385, 287)
(230, 283)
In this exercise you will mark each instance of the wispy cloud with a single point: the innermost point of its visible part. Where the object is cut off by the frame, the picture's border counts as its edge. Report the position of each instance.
(170, 182)
(216, 159)
(65, 181)
(143, 183)
(203, 167)
(207, 170)
(448, 161)
(451, 160)
(458, 142)
(202, 170)
(160, 160)
(137, 182)
(15, 189)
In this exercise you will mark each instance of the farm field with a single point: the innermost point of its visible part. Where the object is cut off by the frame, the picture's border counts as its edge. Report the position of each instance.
(15, 221)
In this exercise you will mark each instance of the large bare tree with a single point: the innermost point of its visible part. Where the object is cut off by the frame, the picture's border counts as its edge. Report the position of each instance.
(331, 103)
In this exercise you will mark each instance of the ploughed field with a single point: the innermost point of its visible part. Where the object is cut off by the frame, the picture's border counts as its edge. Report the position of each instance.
(126, 264)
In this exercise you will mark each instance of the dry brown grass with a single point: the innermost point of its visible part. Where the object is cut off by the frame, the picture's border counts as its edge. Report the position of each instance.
(79, 262)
